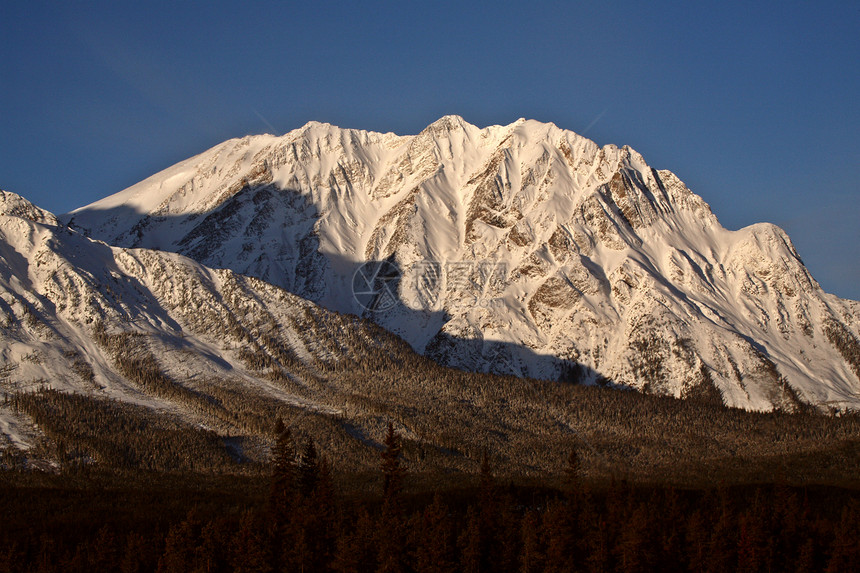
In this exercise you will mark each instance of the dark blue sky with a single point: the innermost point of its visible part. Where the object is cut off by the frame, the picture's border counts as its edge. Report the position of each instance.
(753, 104)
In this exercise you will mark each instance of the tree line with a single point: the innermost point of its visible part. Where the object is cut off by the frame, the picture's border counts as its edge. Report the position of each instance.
(301, 520)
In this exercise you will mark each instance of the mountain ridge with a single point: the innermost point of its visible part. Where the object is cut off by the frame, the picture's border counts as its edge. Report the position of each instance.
(523, 235)
(129, 358)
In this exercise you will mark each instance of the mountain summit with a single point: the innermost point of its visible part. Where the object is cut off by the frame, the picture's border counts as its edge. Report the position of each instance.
(523, 249)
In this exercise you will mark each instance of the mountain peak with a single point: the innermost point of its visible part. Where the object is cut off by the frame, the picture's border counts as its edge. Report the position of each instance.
(523, 249)
(447, 124)
(13, 205)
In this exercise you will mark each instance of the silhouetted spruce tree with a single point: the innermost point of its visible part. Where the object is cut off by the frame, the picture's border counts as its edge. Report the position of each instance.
(671, 542)
(472, 542)
(531, 555)
(787, 514)
(104, 554)
(137, 556)
(508, 538)
(435, 541)
(806, 558)
(723, 543)
(309, 470)
(324, 526)
(392, 470)
(559, 537)
(845, 547)
(283, 474)
(250, 548)
(179, 547)
(480, 541)
(696, 541)
(356, 546)
(634, 551)
(597, 543)
(211, 554)
(309, 539)
(572, 474)
(756, 540)
(391, 539)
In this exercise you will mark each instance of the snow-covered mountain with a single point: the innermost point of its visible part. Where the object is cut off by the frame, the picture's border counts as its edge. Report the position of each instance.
(522, 248)
(159, 330)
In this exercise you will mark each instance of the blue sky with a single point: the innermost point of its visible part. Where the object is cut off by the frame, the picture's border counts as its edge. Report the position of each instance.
(755, 105)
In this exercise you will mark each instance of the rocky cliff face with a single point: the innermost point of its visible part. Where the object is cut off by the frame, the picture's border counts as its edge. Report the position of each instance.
(520, 249)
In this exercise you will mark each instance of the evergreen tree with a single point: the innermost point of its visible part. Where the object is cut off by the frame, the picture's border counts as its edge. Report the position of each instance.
(324, 525)
(472, 543)
(249, 552)
(355, 551)
(391, 538)
(309, 470)
(392, 471)
(531, 556)
(696, 538)
(435, 543)
(391, 535)
(136, 555)
(178, 549)
(558, 536)
(634, 549)
(508, 536)
(845, 547)
(211, 555)
(104, 555)
(283, 474)
(722, 547)
(572, 473)
(806, 559)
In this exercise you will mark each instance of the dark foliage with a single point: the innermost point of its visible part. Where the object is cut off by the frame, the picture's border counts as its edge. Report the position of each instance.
(845, 342)
(111, 524)
(121, 435)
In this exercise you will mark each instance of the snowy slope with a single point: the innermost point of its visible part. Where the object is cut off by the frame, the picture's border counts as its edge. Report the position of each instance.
(73, 309)
(522, 248)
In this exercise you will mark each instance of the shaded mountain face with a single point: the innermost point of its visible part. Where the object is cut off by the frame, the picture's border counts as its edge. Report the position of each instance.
(521, 249)
(161, 331)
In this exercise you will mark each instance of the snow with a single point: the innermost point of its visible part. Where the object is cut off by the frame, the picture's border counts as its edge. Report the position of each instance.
(646, 258)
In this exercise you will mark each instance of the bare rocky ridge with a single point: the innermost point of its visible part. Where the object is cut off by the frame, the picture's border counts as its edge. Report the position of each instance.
(522, 249)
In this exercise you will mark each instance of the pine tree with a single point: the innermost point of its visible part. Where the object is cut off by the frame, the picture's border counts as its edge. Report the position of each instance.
(391, 536)
(508, 536)
(104, 555)
(356, 549)
(723, 544)
(558, 536)
(178, 549)
(309, 470)
(392, 471)
(572, 474)
(324, 525)
(634, 549)
(845, 547)
(531, 556)
(137, 549)
(435, 544)
(472, 542)
(210, 554)
(249, 552)
(283, 474)
(696, 540)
